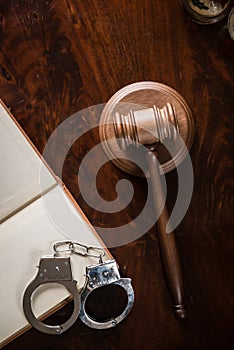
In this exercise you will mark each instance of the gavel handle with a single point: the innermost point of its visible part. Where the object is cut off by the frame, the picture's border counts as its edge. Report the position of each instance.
(167, 242)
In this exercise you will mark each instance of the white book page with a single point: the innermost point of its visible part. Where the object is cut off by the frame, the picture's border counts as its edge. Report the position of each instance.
(33, 216)
(24, 239)
(19, 169)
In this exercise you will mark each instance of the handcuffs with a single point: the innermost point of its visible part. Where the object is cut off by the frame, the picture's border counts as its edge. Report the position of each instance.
(98, 276)
(57, 269)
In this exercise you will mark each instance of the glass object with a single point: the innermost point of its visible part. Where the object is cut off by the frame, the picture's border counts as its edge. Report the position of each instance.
(206, 11)
(231, 23)
(226, 39)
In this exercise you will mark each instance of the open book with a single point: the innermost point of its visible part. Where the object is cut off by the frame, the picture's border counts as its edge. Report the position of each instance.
(28, 231)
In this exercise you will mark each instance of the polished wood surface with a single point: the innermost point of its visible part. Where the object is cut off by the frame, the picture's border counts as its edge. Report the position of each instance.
(58, 57)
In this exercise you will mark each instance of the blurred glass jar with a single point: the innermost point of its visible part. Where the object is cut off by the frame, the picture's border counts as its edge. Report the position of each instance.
(206, 11)
(231, 23)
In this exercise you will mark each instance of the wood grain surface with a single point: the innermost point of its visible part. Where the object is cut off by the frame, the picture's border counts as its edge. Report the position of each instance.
(59, 57)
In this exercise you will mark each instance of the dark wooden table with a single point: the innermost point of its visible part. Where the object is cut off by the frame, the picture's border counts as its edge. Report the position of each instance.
(59, 57)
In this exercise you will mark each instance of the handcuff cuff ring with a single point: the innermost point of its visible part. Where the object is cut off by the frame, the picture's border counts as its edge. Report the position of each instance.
(100, 275)
(52, 270)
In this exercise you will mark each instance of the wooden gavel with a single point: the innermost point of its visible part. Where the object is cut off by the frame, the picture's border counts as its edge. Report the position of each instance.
(154, 115)
(149, 127)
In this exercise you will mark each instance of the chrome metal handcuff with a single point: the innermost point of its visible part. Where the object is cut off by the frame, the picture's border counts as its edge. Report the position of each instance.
(57, 269)
(98, 276)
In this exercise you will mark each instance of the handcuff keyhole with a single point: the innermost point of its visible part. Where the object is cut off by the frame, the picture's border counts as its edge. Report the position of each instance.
(106, 302)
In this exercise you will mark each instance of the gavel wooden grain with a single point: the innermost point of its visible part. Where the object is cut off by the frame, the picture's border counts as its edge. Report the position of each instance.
(148, 127)
(156, 116)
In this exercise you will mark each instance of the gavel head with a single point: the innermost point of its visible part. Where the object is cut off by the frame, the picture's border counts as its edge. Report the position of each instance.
(149, 114)
(146, 126)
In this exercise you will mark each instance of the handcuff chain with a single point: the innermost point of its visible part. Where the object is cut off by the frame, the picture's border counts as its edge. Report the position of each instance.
(78, 248)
